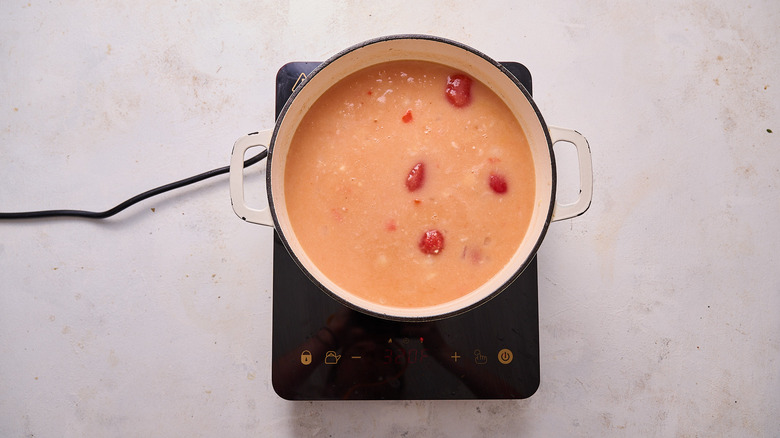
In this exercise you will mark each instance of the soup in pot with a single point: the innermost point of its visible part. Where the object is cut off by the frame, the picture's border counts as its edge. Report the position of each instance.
(409, 184)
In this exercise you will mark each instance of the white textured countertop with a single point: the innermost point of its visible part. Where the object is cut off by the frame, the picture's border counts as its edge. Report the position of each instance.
(659, 308)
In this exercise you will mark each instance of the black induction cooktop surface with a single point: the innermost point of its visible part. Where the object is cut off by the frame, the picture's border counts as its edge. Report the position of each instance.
(322, 350)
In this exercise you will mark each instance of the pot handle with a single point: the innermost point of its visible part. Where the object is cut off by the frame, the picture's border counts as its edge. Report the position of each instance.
(568, 211)
(256, 216)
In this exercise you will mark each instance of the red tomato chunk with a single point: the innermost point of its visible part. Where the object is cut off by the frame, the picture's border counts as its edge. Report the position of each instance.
(432, 242)
(416, 177)
(497, 183)
(458, 90)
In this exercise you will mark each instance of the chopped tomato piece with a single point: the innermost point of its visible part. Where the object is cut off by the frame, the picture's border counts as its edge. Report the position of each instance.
(432, 242)
(458, 90)
(497, 183)
(416, 177)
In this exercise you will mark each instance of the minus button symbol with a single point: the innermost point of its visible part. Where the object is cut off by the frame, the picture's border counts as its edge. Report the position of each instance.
(357, 357)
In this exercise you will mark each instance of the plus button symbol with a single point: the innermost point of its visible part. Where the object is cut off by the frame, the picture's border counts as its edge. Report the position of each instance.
(455, 356)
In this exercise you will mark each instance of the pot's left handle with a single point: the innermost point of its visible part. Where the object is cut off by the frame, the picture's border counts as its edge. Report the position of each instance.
(256, 216)
(581, 205)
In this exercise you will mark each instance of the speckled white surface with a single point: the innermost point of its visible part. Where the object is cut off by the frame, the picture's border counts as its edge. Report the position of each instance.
(658, 308)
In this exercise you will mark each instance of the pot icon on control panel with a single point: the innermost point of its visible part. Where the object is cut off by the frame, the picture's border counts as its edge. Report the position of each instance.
(306, 357)
(331, 358)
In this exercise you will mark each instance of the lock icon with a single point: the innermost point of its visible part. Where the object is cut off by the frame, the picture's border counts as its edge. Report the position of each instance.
(306, 357)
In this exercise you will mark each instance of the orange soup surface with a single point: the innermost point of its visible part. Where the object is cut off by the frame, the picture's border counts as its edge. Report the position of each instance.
(409, 184)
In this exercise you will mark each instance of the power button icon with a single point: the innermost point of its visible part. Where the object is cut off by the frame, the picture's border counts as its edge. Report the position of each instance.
(505, 356)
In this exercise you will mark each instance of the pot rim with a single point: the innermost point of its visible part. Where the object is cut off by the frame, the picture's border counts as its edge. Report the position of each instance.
(437, 316)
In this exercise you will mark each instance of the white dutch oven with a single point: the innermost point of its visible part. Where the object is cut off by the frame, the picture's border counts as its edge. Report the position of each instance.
(426, 48)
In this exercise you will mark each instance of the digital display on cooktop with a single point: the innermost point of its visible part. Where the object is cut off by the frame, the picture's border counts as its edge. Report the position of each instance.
(322, 350)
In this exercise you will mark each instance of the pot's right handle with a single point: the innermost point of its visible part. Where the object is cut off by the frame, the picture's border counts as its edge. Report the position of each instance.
(256, 216)
(568, 211)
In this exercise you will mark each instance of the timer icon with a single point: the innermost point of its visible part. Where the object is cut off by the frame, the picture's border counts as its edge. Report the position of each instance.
(505, 356)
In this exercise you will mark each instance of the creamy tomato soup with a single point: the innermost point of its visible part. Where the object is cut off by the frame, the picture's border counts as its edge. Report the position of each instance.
(409, 184)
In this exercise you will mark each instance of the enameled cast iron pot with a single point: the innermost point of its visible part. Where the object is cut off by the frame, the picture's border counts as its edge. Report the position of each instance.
(426, 48)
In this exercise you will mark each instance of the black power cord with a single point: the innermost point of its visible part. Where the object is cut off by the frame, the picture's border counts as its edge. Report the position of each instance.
(135, 199)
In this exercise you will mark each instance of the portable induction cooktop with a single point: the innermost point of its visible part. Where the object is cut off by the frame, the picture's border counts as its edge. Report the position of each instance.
(322, 350)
